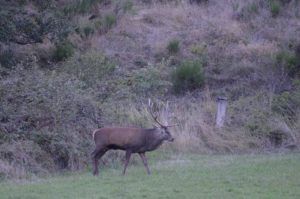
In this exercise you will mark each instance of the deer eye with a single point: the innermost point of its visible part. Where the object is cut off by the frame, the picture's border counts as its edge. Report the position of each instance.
(162, 131)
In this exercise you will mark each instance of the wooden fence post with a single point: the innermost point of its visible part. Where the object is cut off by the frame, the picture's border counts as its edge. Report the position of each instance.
(221, 112)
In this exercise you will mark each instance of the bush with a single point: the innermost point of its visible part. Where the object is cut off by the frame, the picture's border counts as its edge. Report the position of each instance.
(251, 113)
(63, 51)
(7, 58)
(147, 80)
(198, 1)
(88, 31)
(79, 6)
(19, 27)
(287, 105)
(41, 4)
(127, 6)
(173, 46)
(90, 67)
(45, 122)
(188, 76)
(109, 21)
(290, 62)
(274, 8)
(247, 12)
(105, 23)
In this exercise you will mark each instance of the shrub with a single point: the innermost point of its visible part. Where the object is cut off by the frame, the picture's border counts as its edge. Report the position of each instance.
(198, 1)
(7, 26)
(188, 76)
(252, 113)
(105, 23)
(90, 67)
(290, 62)
(41, 4)
(109, 21)
(88, 31)
(45, 122)
(173, 46)
(7, 58)
(127, 6)
(287, 105)
(19, 27)
(274, 8)
(253, 7)
(284, 2)
(147, 80)
(63, 51)
(248, 11)
(79, 6)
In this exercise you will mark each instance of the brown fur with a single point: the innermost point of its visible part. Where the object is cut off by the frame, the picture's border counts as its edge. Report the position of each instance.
(131, 140)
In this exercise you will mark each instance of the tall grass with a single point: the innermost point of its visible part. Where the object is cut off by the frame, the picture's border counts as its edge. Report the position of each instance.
(194, 129)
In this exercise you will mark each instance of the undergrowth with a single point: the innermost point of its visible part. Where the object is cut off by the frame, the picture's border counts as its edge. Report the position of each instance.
(68, 67)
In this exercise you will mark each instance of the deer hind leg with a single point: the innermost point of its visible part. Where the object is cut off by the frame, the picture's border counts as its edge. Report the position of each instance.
(144, 159)
(96, 155)
(127, 158)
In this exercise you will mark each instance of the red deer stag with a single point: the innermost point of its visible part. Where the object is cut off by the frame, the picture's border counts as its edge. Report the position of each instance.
(131, 140)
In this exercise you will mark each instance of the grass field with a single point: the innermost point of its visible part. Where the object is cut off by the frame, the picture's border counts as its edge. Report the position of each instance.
(182, 176)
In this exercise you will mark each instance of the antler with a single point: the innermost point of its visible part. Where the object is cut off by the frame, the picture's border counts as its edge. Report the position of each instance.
(150, 105)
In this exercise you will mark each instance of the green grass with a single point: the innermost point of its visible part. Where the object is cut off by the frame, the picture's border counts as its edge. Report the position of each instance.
(193, 176)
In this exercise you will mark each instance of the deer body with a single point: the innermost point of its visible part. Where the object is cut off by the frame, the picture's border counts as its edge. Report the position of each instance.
(131, 140)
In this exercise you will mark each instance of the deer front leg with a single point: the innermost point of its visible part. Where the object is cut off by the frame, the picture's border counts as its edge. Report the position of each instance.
(127, 158)
(144, 159)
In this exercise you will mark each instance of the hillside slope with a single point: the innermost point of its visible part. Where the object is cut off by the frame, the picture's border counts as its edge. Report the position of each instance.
(70, 66)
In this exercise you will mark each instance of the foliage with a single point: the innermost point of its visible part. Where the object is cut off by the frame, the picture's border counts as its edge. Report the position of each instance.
(45, 123)
(63, 51)
(287, 104)
(188, 76)
(79, 6)
(44, 114)
(42, 5)
(20, 27)
(90, 67)
(127, 6)
(198, 1)
(290, 61)
(109, 21)
(88, 31)
(105, 23)
(148, 81)
(173, 46)
(275, 7)
(137, 85)
(263, 120)
(7, 58)
(253, 113)
(248, 11)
